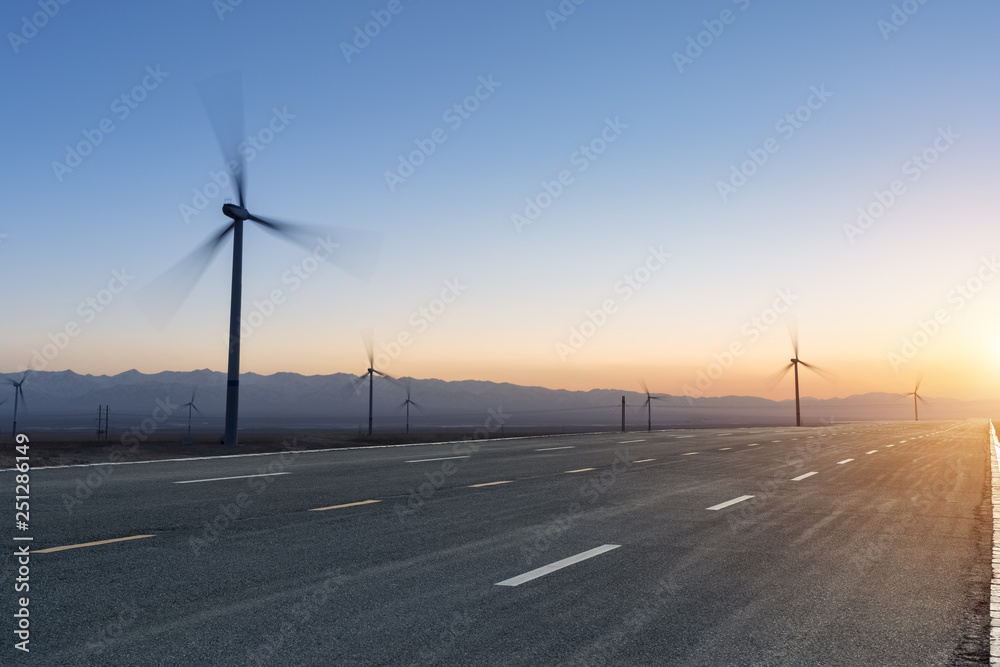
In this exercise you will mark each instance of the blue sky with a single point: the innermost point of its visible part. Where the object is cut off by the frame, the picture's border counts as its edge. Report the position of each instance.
(891, 96)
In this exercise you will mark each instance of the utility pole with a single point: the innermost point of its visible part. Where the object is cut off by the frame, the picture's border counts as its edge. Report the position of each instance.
(623, 414)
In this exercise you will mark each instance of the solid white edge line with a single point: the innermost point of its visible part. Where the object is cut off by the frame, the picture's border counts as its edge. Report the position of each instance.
(802, 477)
(443, 458)
(728, 503)
(558, 565)
(220, 479)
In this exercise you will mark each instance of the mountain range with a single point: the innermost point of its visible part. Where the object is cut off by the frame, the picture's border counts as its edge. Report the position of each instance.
(65, 400)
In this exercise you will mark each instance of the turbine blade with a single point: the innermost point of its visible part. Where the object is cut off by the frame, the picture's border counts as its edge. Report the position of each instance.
(368, 336)
(222, 98)
(195, 408)
(920, 378)
(921, 399)
(358, 382)
(404, 383)
(645, 389)
(830, 376)
(355, 251)
(793, 333)
(774, 379)
(161, 298)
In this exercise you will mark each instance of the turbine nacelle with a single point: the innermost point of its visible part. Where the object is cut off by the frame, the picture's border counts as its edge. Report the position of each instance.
(236, 212)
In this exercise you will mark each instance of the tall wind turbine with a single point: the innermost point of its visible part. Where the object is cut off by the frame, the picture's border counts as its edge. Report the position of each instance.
(407, 403)
(794, 363)
(916, 397)
(18, 394)
(191, 406)
(649, 405)
(370, 374)
(353, 250)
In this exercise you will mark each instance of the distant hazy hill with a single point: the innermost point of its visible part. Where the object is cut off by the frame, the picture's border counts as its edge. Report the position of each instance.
(64, 399)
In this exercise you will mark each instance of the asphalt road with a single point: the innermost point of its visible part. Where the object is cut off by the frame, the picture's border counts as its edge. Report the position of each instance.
(860, 544)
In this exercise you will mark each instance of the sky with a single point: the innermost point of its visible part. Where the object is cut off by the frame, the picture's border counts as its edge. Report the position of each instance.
(567, 195)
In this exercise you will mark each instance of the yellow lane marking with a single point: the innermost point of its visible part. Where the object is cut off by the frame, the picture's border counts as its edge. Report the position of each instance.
(337, 507)
(89, 544)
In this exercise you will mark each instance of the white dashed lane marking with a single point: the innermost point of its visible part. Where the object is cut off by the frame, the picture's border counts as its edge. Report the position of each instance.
(558, 565)
(726, 504)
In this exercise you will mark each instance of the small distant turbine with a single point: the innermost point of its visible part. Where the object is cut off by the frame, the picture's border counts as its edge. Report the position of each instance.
(795, 362)
(916, 397)
(370, 374)
(191, 406)
(407, 403)
(18, 394)
(649, 405)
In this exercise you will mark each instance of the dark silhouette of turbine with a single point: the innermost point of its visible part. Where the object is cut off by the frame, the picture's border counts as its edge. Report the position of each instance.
(353, 250)
(794, 363)
(916, 397)
(649, 405)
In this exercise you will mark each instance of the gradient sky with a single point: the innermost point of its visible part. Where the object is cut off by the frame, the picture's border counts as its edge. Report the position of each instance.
(894, 94)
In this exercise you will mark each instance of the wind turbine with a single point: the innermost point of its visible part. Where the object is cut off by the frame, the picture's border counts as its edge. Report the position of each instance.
(916, 397)
(353, 250)
(18, 393)
(649, 405)
(370, 374)
(794, 363)
(407, 403)
(190, 406)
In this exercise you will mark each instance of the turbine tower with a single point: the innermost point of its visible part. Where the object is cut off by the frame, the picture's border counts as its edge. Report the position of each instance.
(407, 403)
(18, 394)
(190, 406)
(916, 397)
(370, 374)
(649, 405)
